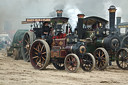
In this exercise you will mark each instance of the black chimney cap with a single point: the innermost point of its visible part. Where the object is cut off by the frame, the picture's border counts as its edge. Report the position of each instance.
(80, 15)
(112, 8)
(59, 11)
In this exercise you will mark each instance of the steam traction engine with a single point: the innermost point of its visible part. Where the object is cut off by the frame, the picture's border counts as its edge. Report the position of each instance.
(104, 43)
(60, 47)
(124, 41)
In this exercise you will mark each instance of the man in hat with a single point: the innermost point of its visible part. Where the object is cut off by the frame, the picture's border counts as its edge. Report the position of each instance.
(46, 28)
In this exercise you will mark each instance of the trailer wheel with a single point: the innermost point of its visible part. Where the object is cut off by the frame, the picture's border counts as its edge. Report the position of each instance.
(122, 58)
(16, 53)
(27, 41)
(72, 63)
(40, 54)
(88, 62)
(102, 58)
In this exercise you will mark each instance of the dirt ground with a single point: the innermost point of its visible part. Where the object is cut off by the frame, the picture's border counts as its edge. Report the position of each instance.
(18, 72)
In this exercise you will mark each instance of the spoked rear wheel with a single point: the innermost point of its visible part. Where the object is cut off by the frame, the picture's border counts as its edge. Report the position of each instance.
(27, 40)
(40, 54)
(88, 62)
(102, 58)
(122, 59)
(71, 63)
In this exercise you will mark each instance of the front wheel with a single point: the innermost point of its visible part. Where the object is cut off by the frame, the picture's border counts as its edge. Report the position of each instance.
(102, 58)
(122, 58)
(71, 63)
(88, 62)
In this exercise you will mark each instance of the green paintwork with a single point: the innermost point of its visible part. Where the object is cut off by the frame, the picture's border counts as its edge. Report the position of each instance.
(17, 40)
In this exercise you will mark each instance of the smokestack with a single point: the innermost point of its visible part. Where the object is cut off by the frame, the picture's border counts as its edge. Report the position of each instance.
(112, 10)
(118, 20)
(80, 25)
(59, 13)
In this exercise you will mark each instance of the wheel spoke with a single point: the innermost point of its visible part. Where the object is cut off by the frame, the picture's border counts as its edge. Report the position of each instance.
(97, 62)
(103, 60)
(39, 45)
(36, 53)
(27, 36)
(26, 41)
(96, 57)
(26, 53)
(70, 67)
(103, 55)
(100, 65)
(36, 49)
(42, 48)
(125, 64)
(119, 56)
(35, 57)
(69, 59)
(123, 53)
(39, 63)
(99, 53)
(43, 58)
(43, 53)
(121, 63)
(73, 60)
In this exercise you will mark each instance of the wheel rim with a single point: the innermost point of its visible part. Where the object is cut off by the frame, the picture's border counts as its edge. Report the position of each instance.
(122, 59)
(102, 58)
(71, 63)
(40, 54)
(26, 47)
(88, 62)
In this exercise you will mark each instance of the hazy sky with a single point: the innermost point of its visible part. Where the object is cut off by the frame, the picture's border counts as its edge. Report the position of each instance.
(12, 12)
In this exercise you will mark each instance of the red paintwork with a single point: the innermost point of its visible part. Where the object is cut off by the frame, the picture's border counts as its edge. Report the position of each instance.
(59, 36)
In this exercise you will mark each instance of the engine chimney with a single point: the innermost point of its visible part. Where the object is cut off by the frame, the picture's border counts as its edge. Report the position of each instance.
(118, 20)
(59, 13)
(80, 25)
(112, 10)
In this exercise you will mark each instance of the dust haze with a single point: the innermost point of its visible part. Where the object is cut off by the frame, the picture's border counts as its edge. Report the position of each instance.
(12, 12)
